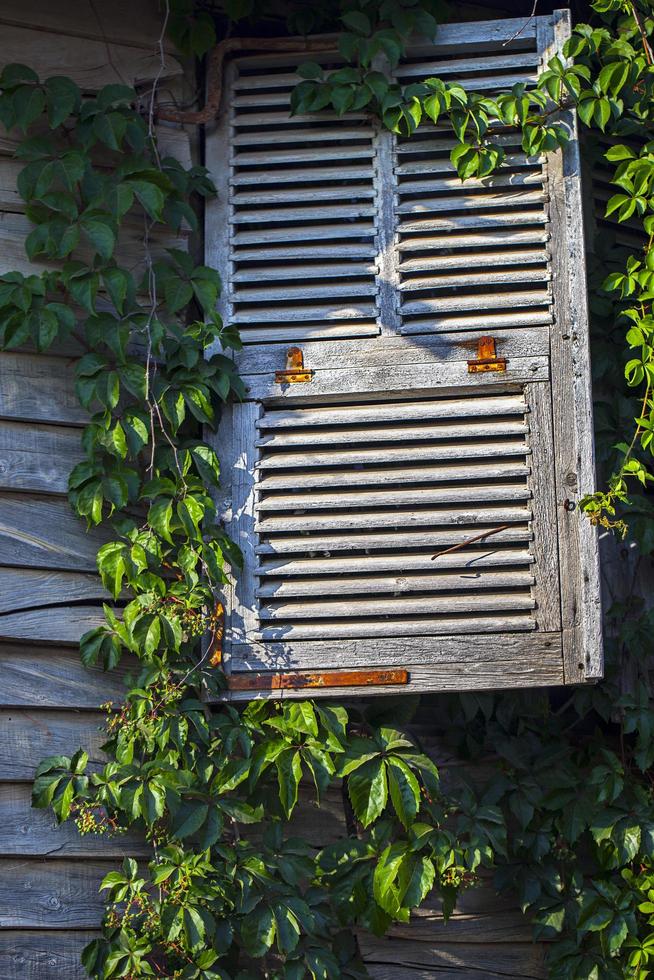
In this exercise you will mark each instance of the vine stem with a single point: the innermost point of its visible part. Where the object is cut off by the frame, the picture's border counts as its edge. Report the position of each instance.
(649, 56)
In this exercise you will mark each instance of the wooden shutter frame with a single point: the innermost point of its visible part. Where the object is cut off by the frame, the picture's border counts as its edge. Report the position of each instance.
(440, 367)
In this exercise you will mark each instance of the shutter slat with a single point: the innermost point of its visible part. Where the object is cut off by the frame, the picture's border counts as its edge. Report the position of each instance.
(314, 154)
(491, 239)
(477, 322)
(489, 557)
(394, 455)
(267, 79)
(486, 277)
(488, 301)
(436, 166)
(406, 627)
(281, 136)
(356, 311)
(473, 430)
(493, 220)
(436, 68)
(379, 498)
(345, 212)
(355, 250)
(395, 411)
(327, 120)
(473, 202)
(266, 294)
(320, 175)
(324, 544)
(420, 605)
(478, 84)
(272, 273)
(466, 260)
(397, 585)
(291, 195)
(298, 234)
(427, 474)
(295, 334)
(429, 186)
(490, 516)
(438, 140)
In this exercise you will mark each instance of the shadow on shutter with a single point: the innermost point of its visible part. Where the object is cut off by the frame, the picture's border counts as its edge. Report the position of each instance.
(392, 275)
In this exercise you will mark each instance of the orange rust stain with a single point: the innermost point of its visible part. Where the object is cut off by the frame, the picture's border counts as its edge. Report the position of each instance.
(298, 680)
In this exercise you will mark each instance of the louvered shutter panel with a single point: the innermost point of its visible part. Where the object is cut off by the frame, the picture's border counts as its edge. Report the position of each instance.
(407, 504)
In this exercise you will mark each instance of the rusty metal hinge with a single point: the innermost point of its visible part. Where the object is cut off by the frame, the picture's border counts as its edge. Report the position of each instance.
(487, 359)
(217, 635)
(297, 680)
(295, 372)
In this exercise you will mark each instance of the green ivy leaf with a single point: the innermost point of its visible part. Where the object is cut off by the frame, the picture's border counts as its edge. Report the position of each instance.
(188, 819)
(358, 22)
(368, 791)
(258, 930)
(289, 773)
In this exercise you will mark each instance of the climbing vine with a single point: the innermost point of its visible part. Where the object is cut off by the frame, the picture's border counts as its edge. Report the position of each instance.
(229, 891)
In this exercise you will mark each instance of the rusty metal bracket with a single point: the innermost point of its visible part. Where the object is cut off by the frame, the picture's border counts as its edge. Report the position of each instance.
(297, 680)
(487, 359)
(217, 634)
(295, 372)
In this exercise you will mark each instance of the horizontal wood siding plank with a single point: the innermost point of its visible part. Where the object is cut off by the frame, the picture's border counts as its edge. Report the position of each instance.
(397, 959)
(50, 894)
(27, 832)
(28, 588)
(129, 253)
(39, 388)
(37, 457)
(54, 955)
(57, 625)
(28, 736)
(135, 24)
(172, 140)
(39, 955)
(40, 676)
(90, 63)
(43, 532)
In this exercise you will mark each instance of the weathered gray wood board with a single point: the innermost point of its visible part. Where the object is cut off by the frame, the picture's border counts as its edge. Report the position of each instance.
(137, 25)
(32, 954)
(28, 735)
(50, 677)
(34, 833)
(91, 63)
(57, 540)
(51, 894)
(54, 625)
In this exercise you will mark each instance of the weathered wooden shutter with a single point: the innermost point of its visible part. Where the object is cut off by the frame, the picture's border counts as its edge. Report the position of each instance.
(403, 474)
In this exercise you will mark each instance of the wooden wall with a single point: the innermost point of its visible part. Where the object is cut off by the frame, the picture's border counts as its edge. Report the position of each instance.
(49, 902)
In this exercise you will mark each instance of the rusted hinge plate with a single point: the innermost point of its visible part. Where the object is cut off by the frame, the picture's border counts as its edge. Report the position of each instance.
(295, 372)
(487, 359)
(297, 680)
